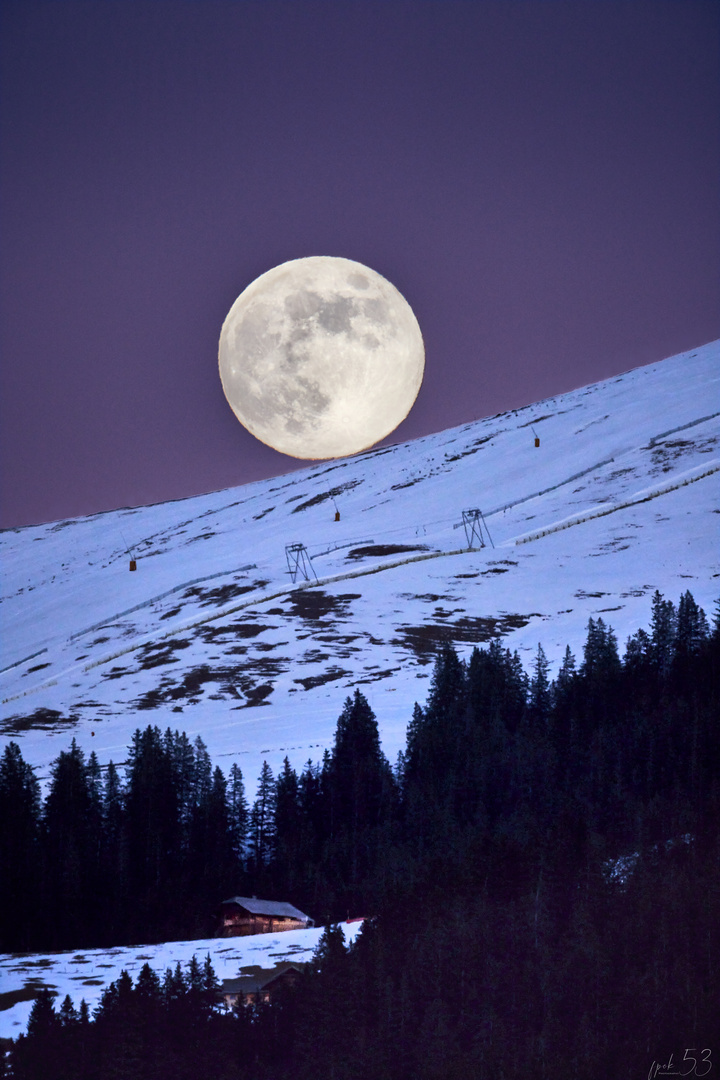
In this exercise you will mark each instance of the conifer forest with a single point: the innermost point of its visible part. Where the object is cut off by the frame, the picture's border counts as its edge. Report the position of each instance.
(539, 874)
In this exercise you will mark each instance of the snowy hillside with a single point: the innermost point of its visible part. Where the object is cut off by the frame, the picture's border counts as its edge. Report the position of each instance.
(84, 974)
(211, 636)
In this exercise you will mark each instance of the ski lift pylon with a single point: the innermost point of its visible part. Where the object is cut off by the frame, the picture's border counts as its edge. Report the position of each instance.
(299, 564)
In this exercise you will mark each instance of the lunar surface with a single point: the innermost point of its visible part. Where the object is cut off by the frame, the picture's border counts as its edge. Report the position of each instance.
(321, 357)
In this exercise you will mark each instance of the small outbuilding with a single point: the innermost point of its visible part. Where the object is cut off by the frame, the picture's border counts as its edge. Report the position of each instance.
(254, 989)
(243, 915)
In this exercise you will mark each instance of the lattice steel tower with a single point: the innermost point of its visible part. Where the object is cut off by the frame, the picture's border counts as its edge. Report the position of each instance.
(474, 524)
(299, 563)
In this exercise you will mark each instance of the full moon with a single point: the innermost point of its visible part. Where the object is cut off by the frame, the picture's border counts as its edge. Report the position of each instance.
(321, 357)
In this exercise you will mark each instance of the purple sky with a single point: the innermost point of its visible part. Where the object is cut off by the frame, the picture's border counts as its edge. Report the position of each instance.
(539, 179)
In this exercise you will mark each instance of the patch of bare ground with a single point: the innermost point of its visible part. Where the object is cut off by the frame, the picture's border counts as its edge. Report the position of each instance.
(223, 633)
(406, 484)
(337, 639)
(39, 720)
(222, 593)
(664, 454)
(28, 992)
(172, 613)
(330, 675)
(157, 654)
(116, 673)
(378, 550)
(472, 449)
(315, 604)
(324, 495)
(241, 682)
(424, 640)
(375, 676)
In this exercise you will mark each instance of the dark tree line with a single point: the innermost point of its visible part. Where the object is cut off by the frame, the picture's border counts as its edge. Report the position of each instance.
(509, 936)
(99, 861)
(150, 1030)
(111, 860)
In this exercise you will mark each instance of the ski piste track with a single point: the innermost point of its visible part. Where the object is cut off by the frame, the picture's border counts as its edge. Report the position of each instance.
(263, 596)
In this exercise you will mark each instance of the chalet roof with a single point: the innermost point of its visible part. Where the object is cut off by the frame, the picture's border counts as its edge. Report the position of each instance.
(270, 908)
(249, 984)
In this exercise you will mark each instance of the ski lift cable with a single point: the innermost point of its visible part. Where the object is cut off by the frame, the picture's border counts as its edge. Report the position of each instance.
(382, 533)
(128, 549)
(378, 533)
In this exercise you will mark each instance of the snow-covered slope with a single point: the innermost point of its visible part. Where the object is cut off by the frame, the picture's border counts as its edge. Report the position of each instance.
(84, 974)
(210, 635)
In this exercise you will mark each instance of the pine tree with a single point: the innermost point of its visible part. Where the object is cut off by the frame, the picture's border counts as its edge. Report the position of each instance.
(238, 813)
(311, 799)
(218, 861)
(331, 951)
(288, 828)
(112, 886)
(148, 989)
(435, 739)
(19, 835)
(600, 658)
(202, 772)
(563, 717)
(174, 987)
(540, 688)
(359, 772)
(314, 829)
(153, 825)
(691, 627)
(637, 651)
(210, 988)
(327, 1008)
(262, 822)
(663, 628)
(67, 1015)
(118, 1030)
(43, 1019)
(516, 690)
(71, 848)
(181, 755)
(35, 1054)
(360, 792)
(148, 1020)
(564, 683)
(716, 621)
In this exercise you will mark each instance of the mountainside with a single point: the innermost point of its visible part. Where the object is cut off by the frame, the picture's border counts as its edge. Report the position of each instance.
(211, 635)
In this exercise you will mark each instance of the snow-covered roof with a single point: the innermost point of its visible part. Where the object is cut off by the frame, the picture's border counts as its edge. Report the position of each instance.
(268, 907)
(250, 984)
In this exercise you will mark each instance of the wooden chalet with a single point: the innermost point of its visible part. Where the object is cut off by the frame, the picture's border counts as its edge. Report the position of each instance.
(254, 989)
(243, 915)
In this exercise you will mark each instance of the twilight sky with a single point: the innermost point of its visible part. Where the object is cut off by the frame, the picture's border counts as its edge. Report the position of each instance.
(539, 179)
